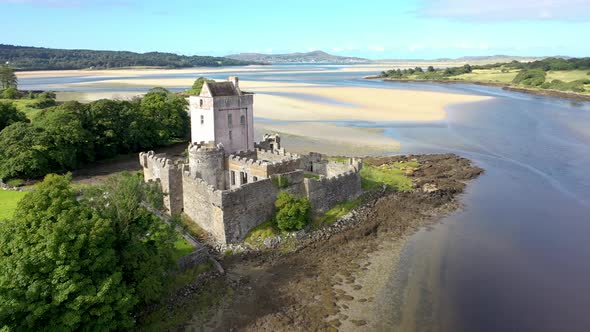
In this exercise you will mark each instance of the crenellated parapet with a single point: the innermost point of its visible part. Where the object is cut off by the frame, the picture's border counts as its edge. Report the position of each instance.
(168, 172)
(204, 147)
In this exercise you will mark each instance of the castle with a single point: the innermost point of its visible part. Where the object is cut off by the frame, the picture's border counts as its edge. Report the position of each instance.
(230, 183)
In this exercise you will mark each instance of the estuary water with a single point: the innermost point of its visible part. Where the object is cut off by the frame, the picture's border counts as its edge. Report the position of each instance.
(516, 256)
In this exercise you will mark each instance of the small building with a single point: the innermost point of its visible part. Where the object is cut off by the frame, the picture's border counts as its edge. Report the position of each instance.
(229, 183)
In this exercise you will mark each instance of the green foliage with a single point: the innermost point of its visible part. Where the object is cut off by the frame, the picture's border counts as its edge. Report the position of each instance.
(7, 77)
(145, 245)
(575, 86)
(336, 212)
(10, 93)
(59, 266)
(22, 151)
(15, 182)
(165, 114)
(9, 115)
(35, 58)
(311, 176)
(376, 176)
(181, 248)
(198, 86)
(293, 213)
(258, 234)
(530, 77)
(8, 201)
(64, 137)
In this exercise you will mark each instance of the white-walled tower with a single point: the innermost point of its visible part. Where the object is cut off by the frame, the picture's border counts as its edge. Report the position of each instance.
(222, 113)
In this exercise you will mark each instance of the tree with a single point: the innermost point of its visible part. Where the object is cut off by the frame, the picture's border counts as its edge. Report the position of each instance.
(144, 243)
(430, 69)
(7, 77)
(58, 267)
(198, 85)
(467, 68)
(165, 115)
(10, 93)
(22, 153)
(67, 142)
(418, 70)
(9, 115)
(293, 213)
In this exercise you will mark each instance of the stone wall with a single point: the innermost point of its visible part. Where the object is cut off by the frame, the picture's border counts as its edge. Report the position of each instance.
(207, 161)
(203, 204)
(324, 193)
(246, 207)
(169, 174)
(275, 155)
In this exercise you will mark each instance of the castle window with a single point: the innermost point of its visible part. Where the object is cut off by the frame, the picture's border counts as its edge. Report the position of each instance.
(243, 120)
(202, 119)
(229, 121)
(233, 178)
(243, 177)
(254, 178)
(201, 103)
(230, 138)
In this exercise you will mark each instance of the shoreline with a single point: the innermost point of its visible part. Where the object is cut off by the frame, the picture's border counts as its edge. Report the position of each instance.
(504, 86)
(335, 281)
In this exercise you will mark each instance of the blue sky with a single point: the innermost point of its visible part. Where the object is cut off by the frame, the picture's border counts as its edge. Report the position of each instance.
(369, 28)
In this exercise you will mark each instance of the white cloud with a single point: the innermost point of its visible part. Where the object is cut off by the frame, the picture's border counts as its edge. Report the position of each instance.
(415, 47)
(377, 48)
(502, 10)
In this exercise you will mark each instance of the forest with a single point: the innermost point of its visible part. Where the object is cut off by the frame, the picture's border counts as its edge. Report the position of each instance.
(37, 58)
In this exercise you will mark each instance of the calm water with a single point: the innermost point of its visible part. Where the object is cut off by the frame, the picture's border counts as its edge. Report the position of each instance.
(517, 256)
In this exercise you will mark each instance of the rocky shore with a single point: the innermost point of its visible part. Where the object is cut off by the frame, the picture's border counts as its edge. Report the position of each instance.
(313, 281)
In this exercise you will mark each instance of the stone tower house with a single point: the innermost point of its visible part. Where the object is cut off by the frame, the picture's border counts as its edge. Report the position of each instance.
(223, 114)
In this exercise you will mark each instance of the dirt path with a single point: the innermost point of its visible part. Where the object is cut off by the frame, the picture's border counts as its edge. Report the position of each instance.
(320, 287)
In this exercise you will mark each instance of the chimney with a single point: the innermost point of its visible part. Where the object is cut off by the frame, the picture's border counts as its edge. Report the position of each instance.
(235, 80)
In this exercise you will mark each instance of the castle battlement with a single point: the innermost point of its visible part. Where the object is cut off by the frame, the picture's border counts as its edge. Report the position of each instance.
(204, 146)
(247, 161)
(229, 184)
(280, 152)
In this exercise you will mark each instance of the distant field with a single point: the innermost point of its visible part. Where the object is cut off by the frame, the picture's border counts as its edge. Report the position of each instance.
(489, 75)
(8, 201)
(568, 75)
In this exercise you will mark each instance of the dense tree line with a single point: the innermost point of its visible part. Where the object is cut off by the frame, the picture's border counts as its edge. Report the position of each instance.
(545, 64)
(82, 263)
(36, 58)
(66, 136)
(531, 74)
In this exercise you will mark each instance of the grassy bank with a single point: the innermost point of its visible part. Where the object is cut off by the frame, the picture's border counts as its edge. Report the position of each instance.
(8, 201)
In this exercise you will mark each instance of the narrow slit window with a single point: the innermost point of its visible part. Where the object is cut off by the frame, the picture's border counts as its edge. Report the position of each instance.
(229, 121)
(243, 120)
(230, 138)
(232, 178)
(202, 119)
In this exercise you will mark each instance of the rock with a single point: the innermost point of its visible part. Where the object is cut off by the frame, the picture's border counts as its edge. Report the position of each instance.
(429, 188)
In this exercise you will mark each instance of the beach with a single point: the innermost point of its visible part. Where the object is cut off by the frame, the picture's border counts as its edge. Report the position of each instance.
(317, 117)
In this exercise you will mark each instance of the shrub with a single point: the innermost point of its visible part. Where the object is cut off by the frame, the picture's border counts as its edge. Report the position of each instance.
(293, 213)
(530, 77)
(10, 93)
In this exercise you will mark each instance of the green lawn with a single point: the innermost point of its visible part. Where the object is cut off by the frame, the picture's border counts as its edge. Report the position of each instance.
(182, 248)
(336, 212)
(393, 176)
(263, 231)
(8, 201)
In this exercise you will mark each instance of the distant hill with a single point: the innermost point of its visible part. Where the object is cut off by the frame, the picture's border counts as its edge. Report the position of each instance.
(38, 58)
(309, 57)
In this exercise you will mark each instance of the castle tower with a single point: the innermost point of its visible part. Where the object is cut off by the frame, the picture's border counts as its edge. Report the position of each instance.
(207, 161)
(223, 113)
